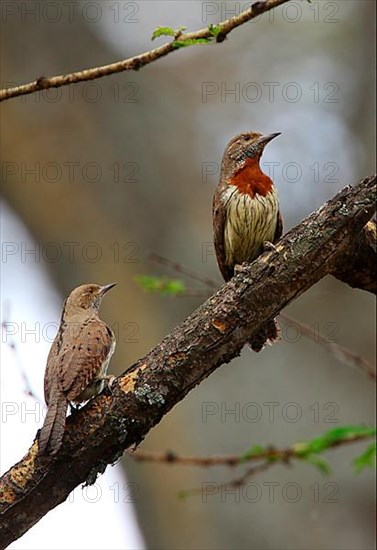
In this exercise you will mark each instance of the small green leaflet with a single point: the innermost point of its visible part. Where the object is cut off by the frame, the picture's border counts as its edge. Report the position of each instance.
(332, 437)
(190, 42)
(166, 31)
(366, 460)
(214, 29)
(310, 451)
(257, 450)
(321, 463)
(161, 285)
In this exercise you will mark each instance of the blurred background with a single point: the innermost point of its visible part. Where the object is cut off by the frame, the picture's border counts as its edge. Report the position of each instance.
(97, 176)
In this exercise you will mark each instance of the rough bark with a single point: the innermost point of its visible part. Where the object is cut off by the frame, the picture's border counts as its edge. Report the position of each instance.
(215, 333)
(357, 265)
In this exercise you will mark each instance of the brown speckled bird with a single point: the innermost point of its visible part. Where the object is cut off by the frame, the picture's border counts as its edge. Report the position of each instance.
(77, 362)
(245, 213)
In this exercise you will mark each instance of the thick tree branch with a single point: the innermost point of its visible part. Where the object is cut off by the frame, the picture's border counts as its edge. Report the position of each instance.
(214, 334)
(357, 265)
(138, 61)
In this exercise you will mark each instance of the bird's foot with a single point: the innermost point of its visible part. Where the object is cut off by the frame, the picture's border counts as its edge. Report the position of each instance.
(238, 268)
(269, 247)
(73, 408)
(109, 380)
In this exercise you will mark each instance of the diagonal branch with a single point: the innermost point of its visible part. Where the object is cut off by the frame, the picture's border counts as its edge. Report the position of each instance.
(138, 61)
(363, 255)
(341, 353)
(357, 266)
(214, 334)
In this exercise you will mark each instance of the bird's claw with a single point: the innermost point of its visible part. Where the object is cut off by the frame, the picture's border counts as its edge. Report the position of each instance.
(238, 268)
(269, 247)
(109, 380)
(74, 407)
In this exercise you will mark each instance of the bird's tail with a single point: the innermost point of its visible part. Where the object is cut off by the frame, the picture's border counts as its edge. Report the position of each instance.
(51, 434)
(268, 334)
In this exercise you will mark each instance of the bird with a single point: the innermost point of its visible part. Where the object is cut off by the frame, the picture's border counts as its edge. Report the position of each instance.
(77, 363)
(246, 213)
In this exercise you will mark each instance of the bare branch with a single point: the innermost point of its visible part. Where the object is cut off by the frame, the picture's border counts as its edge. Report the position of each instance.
(342, 354)
(238, 482)
(11, 343)
(177, 267)
(138, 61)
(215, 333)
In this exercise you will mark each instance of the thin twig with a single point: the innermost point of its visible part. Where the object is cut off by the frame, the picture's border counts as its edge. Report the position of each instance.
(184, 270)
(250, 472)
(237, 482)
(341, 353)
(269, 457)
(11, 343)
(138, 61)
(272, 454)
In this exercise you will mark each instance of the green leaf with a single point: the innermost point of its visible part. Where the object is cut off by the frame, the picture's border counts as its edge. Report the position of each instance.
(321, 463)
(254, 451)
(161, 285)
(163, 31)
(214, 29)
(175, 286)
(166, 31)
(332, 437)
(183, 494)
(190, 42)
(350, 432)
(367, 459)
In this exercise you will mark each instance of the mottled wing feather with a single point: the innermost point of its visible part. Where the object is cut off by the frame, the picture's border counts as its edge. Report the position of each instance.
(279, 228)
(80, 363)
(219, 220)
(49, 376)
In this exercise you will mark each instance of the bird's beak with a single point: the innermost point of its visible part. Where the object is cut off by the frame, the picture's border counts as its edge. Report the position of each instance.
(262, 141)
(105, 288)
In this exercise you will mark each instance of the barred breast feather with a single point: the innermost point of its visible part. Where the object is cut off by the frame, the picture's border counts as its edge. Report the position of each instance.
(249, 222)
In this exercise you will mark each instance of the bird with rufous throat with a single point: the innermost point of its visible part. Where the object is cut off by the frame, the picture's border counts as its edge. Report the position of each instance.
(77, 363)
(246, 213)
